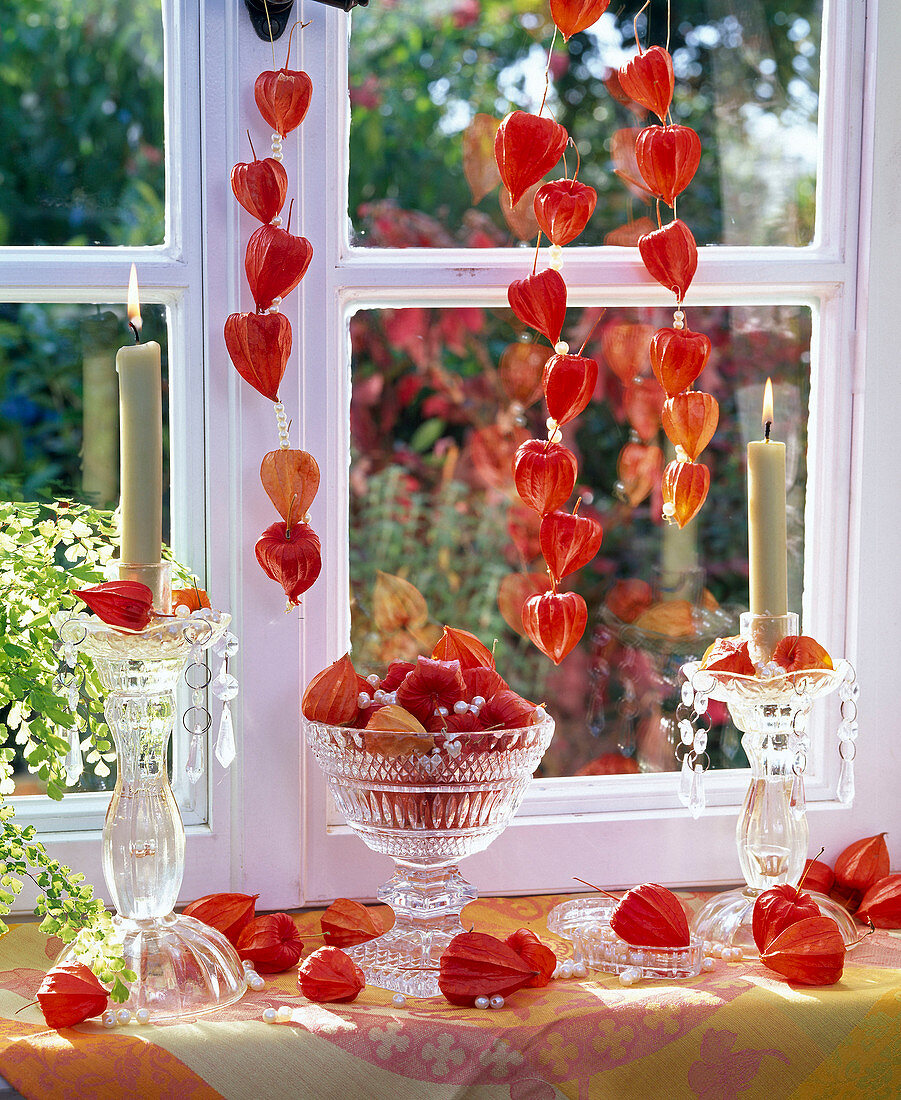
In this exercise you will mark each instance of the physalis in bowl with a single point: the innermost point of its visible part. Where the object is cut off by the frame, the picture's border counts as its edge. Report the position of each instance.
(794, 653)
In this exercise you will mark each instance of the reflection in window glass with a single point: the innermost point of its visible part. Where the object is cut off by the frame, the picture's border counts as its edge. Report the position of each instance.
(81, 104)
(426, 80)
(441, 400)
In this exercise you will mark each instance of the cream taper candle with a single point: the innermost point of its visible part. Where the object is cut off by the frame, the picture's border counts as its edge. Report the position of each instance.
(140, 442)
(767, 543)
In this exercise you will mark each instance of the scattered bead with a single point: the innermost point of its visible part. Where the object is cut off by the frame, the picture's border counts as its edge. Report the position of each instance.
(108, 1019)
(561, 347)
(373, 679)
(363, 700)
(566, 970)
(181, 612)
(247, 964)
(708, 964)
(256, 983)
(496, 1001)
(284, 1013)
(738, 953)
(478, 701)
(123, 1016)
(270, 1015)
(461, 707)
(716, 950)
(483, 1002)
(473, 709)
(442, 712)
(399, 1000)
(142, 1016)
(626, 978)
(580, 970)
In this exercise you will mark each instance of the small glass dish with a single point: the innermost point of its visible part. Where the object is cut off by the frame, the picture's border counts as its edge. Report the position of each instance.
(586, 922)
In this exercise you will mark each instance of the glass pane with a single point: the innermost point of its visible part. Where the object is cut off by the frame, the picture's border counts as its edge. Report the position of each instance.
(81, 104)
(59, 443)
(434, 426)
(747, 77)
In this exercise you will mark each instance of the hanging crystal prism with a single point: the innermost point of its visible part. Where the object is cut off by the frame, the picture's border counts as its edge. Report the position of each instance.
(685, 778)
(194, 765)
(74, 764)
(697, 800)
(225, 739)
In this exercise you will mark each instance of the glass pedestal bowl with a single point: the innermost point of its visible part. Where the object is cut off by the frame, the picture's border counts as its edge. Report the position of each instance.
(427, 800)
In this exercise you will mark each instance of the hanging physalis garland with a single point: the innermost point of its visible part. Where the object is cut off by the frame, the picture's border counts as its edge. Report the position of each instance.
(259, 343)
(528, 146)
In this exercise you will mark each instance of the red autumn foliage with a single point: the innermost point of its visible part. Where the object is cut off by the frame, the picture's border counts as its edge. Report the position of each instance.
(260, 187)
(459, 645)
(568, 541)
(346, 923)
(881, 904)
(69, 994)
(329, 976)
(678, 357)
(283, 97)
(569, 382)
(526, 147)
(649, 80)
(544, 474)
(670, 256)
(650, 916)
(685, 486)
(540, 301)
(777, 908)
(535, 954)
(274, 263)
(475, 964)
(668, 157)
(271, 942)
(332, 695)
(125, 604)
(292, 557)
(689, 420)
(862, 863)
(259, 345)
(227, 913)
(562, 208)
(572, 16)
(811, 952)
(555, 621)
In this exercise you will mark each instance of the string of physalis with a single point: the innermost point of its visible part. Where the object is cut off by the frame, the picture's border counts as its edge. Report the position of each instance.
(668, 157)
(527, 147)
(259, 343)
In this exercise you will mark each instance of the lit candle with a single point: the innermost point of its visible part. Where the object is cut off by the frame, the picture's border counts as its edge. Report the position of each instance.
(140, 442)
(767, 545)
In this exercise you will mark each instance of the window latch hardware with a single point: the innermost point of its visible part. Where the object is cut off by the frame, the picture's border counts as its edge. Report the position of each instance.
(279, 14)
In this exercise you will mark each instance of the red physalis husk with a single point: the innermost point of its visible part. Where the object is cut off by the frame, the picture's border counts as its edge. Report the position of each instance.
(862, 863)
(572, 16)
(568, 541)
(625, 348)
(395, 674)
(260, 187)
(562, 208)
(668, 157)
(332, 695)
(817, 876)
(685, 486)
(627, 599)
(670, 256)
(729, 655)
(650, 916)
(535, 954)
(259, 345)
(69, 994)
(291, 480)
(690, 419)
(507, 710)
(641, 404)
(125, 604)
(799, 651)
(625, 165)
(482, 682)
(520, 369)
(569, 382)
(775, 909)
(292, 556)
(638, 469)
(227, 913)
(479, 165)
(881, 904)
(811, 951)
(275, 262)
(678, 357)
(430, 685)
(521, 218)
(329, 976)
(475, 964)
(526, 147)
(346, 923)
(649, 80)
(544, 474)
(459, 645)
(512, 593)
(554, 622)
(540, 301)
(271, 942)
(283, 97)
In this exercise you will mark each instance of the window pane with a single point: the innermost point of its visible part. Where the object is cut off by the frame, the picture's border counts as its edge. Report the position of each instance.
(434, 427)
(747, 77)
(81, 103)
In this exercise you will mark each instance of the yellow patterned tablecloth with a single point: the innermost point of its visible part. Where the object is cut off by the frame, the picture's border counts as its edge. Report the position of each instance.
(738, 1031)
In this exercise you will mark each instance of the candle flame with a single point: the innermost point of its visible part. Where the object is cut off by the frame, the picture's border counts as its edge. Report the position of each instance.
(134, 304)
(768, 405)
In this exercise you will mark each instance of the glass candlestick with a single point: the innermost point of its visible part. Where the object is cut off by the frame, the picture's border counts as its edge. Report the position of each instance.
(772, 711)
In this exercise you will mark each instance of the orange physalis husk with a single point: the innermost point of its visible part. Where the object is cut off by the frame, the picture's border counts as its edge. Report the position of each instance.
(507, 710)
(690, 419)
(393, 743)
(520, 371)
(677, 358)
(540, 301)
(649, 80)
(521, 218)
(777, 908)
(673, 618)
(625, 165)
(568, 541)
(460, 645)
(685, 486)
(670, 256)
(479, 166)
(291, 480)
(569, 382)
(862, 863)
(625, 347)
(638, 469)
(394, 719)
(628, 235)
(729, 655)
(430, 685)
(628, 598)
(799, 651)
(329, 976)
(332, 695)
(641, 404)
(650, 916)
(259, 345)
(526, 147)
(260, 187)
(293, 557)
(668, 157)
(283, 97)
(346, 923)
(881, 904)
(811, 951)
(562, 209)
(818, 876)
(69, 994)
(534, 953)
(572, 16)
(484, 682)
(274, 263)
(475, 964)
(512, 593)
(125, 604)
(191, 598)
(227, 913)
(271, 942)
(397, 604)
(544, 474)
(554, 622)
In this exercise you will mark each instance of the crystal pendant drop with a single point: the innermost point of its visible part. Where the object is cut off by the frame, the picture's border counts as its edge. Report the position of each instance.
(797, 800)
(194, 765)
(845, 790)
(225, 739)
(696, 799)
(685, 778)
(74, 763)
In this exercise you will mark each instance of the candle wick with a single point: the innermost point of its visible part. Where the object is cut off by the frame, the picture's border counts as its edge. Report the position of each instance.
(766, 430)
(136, 331)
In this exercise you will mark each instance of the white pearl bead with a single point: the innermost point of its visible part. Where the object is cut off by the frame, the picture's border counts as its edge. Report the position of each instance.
(373, 678)
(566, 970)
(142, 1016)
(497, 1001)
(277, 220)
(108, 1019)
(441, 711)
(716, 950)
(557, 437)
(123, 1016)
(708, 964)
(275, 137)
(561, 347)
(478, 701)
(399, 1000)
(247, 964)
(276, 301)
(284, 1013)
(277, 156)
(580, 970)
(461, 707)
(257, 983)
(270, 1015)
(626, 978)
(482, 1002)
(363, 699)
(738, 953)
